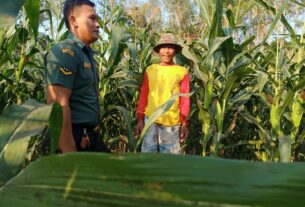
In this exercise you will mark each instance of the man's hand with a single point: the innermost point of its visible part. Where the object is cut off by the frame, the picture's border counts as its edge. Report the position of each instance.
(184, 132)
(140, 126)
(66, 145)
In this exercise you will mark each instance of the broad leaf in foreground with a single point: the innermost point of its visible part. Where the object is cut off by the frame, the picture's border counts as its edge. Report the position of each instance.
(91, 179)
(17, 125)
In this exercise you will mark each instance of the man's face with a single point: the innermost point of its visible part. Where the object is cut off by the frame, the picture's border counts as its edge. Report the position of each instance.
(167, 53)
(86, 24)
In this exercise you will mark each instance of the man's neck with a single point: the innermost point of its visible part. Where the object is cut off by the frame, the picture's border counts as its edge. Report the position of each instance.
(77, 36)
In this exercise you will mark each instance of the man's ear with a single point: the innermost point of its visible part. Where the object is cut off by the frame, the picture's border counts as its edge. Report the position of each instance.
(73, 21)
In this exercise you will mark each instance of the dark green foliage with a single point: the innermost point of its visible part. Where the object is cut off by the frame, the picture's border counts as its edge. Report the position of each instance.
(154, 180)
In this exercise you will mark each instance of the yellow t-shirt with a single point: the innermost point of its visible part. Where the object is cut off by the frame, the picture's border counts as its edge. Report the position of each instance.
(164, 82)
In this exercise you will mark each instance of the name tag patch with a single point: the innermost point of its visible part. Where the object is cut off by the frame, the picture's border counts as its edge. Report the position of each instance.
(87, 65)
(67, 51)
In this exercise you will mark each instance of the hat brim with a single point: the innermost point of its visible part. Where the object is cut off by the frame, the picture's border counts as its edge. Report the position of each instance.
(178, 48)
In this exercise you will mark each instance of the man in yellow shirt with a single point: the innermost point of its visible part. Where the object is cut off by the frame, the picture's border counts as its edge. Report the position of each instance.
(162, 81)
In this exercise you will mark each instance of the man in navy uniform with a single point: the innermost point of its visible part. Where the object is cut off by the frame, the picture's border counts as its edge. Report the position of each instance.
(72, 79)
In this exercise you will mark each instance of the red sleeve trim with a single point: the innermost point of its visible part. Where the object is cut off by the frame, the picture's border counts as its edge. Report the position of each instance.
(184, 101)
(143, 99)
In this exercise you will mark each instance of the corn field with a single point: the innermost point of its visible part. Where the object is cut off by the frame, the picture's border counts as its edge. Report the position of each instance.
(247, 95)
(247, 66)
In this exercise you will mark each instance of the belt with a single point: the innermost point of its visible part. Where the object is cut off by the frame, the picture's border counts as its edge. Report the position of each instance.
(89, 128)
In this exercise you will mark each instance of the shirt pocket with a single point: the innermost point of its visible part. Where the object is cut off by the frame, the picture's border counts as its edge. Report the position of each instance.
(86, 74)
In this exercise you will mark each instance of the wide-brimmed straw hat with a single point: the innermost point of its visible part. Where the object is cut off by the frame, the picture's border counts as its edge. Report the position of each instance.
(168, 39)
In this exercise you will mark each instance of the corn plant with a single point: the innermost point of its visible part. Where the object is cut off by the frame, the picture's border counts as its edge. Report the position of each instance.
(20, 70)
(121, 64)
(219, 71)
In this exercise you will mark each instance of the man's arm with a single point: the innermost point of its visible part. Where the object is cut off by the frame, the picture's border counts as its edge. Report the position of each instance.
(184, 107)
(61, 95)
(142, 104)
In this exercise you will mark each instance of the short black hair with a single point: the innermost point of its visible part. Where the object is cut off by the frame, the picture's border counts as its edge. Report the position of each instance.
(69, 6)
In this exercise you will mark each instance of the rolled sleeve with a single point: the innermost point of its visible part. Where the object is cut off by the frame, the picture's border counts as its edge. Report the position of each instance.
(185, 101)
(143, 98)
(61, 65)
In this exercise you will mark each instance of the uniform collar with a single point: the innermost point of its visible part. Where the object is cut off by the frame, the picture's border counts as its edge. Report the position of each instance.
(80, 43)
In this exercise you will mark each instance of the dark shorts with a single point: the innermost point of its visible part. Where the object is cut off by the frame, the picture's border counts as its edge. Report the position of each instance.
(96, 144)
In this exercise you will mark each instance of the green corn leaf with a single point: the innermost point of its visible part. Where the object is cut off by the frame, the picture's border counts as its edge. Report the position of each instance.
(234, 80)
(207, 8)
(296, 113)
(91, 179)
(262, 79)
(240, 60)
(17, 126)
(128, 120)
(128, 84)
(275, 119)
(248, 117)
(182, 60)
(228, 51)
(188, 54)
(230, 17)
(118, 46)
(245, 43)
(208, 94)
(32, 8)
(119, 74)
(61, 25)
(300, 84)
(205, 118)
(287, 101)
(299, 3)
(132, 51)
(54, 7)
(2, 32)
(276, 111)
(216, 27)
(195, 62)
(216, 45)
(219, 116)
(242, 96)
(55, 124)
(23, 35)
